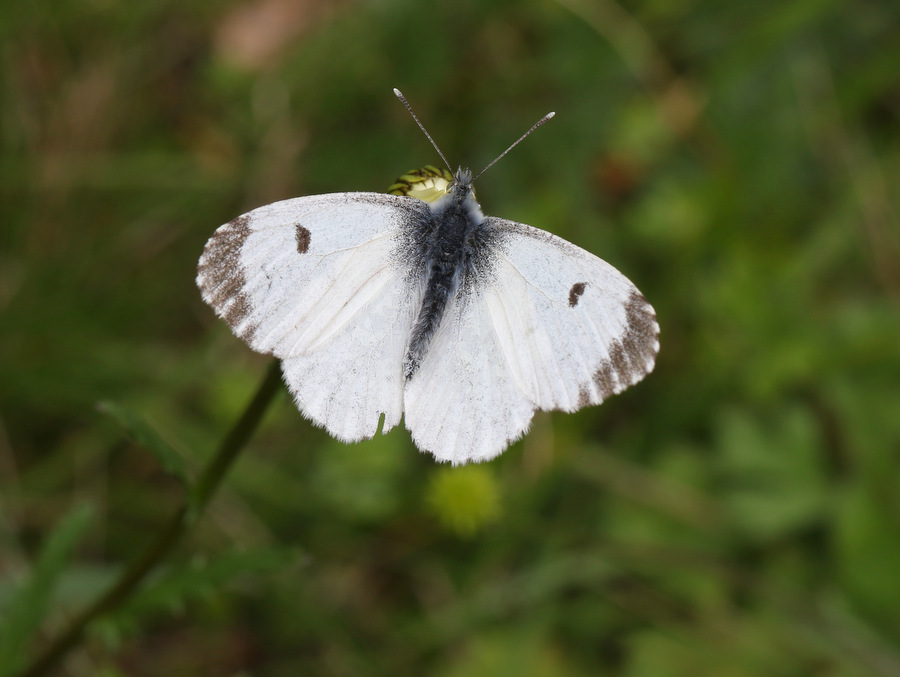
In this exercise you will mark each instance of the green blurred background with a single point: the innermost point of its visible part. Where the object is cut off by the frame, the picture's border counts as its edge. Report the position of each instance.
(735, 514)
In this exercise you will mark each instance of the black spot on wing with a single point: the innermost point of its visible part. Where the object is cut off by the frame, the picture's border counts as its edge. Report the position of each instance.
(220, 275)
(575, 293)
(303, 236)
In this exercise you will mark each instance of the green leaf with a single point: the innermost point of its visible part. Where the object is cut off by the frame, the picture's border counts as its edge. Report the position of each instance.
(772, 469)
(145, 436)
(867, 549)
(29, 603)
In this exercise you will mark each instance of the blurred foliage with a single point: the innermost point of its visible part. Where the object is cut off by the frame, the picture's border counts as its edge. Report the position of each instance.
(735, 514)
(464, 500)
(25, 609)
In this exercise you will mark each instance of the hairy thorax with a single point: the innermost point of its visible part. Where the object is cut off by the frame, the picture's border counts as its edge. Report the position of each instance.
(452, 244)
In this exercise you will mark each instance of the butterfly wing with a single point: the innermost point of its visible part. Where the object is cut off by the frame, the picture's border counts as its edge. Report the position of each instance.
(461, 404)
(319, 282)
(551, 327)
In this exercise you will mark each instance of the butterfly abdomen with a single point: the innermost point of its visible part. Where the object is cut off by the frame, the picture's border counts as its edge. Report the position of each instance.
(451, 246)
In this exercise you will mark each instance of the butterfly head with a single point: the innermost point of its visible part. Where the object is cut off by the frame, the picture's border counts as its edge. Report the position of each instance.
(461, 194)
(461, 186)
(459, 191)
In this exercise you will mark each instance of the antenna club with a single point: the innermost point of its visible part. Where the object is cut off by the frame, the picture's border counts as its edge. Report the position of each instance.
(520, 139)
(421, 126)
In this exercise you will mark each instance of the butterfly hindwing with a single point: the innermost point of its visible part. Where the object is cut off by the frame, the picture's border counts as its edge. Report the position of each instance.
(462, 405)
(318, 282)
(347, 382)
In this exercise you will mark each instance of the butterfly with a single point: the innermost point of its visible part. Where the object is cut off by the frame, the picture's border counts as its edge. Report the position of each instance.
(382, 306)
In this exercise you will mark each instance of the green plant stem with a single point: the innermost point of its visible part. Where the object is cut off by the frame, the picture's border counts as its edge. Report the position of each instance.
(177, 525)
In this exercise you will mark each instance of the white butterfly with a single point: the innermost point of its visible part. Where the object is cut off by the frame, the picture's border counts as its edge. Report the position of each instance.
(389, 305)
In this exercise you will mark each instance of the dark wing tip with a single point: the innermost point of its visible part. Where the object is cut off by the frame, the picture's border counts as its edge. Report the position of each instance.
(633, 355)
(220, 275)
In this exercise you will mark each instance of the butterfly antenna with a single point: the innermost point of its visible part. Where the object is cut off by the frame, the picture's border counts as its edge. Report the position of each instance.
(521, 138)
(403, 100)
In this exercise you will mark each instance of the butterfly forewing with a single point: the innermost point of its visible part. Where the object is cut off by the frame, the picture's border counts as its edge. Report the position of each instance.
(281, 275)
(320, 283)
(573, 328)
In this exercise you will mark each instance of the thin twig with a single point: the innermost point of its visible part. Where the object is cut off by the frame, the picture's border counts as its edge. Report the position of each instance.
(171, 532)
